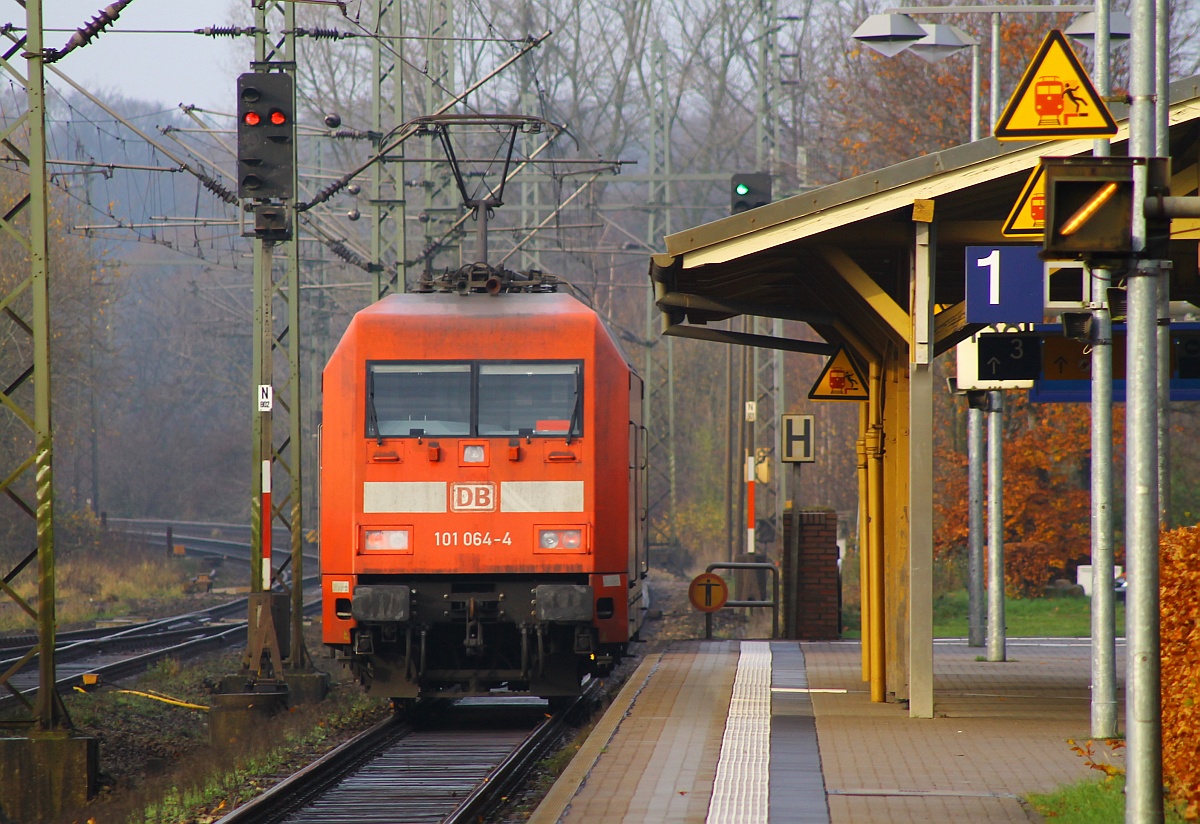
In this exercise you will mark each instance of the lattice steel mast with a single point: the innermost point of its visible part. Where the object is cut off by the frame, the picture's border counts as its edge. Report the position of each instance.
(388, 204)
(277, 465)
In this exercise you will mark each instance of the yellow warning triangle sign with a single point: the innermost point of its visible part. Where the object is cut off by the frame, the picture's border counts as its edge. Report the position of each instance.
(1028, 216)
(1055, 100)
(841, 380)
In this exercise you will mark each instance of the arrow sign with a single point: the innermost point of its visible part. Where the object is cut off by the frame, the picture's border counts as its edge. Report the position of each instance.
(1010, 357)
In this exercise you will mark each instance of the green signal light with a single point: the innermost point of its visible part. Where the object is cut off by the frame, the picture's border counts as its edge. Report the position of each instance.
(742, 189)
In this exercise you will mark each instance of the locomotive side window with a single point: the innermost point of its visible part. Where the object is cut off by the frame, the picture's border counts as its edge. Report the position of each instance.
(530, 399)
(425, 399)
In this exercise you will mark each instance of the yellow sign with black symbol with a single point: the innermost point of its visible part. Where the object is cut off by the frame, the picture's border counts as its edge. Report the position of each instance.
(841, 380)
(1055, 99)
(708, 592)
(1028, 216)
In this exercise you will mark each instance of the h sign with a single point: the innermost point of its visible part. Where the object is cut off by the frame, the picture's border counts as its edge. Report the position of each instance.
(797, 439)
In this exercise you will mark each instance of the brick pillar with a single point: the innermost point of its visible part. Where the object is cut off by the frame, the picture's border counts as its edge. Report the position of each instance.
(811, 586)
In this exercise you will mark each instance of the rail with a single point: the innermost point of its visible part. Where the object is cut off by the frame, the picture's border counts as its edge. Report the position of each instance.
(773, 603)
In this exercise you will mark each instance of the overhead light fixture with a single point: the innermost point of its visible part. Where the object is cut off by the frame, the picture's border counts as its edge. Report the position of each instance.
(1083, 27)
(940, 41)
(889, 34)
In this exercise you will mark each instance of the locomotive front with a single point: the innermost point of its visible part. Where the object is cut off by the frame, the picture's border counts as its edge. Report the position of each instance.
(481, 473)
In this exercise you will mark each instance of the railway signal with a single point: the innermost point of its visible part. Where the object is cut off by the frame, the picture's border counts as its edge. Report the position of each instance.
(749, 190)
(266, 135)
(1089, 208)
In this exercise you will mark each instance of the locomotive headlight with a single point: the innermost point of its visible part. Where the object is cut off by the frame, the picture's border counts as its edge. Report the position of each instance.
(473, 453)
(385, 539)
(565, 539)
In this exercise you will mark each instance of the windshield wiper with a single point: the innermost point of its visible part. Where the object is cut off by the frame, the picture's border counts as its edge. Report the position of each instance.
(372, 416)
(578, 405)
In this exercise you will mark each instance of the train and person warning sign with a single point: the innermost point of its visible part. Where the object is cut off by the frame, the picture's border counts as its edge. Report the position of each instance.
(841, 380)
(1055, 99)
(1028, 216)
(708, 592)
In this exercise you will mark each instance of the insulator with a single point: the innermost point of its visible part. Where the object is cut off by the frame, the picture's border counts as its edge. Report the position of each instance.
(345, 253)
(226, 31)
(85, 34)
(217, 189)
(322, 34)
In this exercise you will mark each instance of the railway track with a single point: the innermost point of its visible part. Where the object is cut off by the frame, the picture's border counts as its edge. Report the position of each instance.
(451, 764)
(119, 652)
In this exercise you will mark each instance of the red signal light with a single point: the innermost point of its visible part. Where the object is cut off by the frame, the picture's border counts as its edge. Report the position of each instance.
(278, 118)
(251, 118)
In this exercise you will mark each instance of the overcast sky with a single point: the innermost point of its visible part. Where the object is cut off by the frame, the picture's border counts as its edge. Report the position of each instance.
(164, 68)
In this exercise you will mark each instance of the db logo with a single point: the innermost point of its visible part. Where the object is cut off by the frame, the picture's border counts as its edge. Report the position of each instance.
(472, 497)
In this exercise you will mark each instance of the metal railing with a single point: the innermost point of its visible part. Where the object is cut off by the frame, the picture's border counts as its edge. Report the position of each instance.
(773, 603)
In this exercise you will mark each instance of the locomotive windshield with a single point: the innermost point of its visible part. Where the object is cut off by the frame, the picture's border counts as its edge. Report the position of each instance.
(418, 399)
(526, 398)
(529, 398)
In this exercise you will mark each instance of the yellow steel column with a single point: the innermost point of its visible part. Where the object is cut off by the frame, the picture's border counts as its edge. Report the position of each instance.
(894, 554)
(874, 446)
(864, 519)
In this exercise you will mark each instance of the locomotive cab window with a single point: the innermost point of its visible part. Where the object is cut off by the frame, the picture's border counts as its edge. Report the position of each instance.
(529, 398)
(523, 398)
(415, 400)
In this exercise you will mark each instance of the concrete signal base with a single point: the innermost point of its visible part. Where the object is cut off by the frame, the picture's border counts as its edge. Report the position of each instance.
(237, 717)
(306, 687)
(46, 775)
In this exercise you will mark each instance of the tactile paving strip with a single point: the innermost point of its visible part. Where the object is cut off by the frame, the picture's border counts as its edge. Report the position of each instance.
(741, 792)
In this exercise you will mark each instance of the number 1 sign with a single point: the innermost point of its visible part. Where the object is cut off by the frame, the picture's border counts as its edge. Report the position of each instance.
(1004, 284)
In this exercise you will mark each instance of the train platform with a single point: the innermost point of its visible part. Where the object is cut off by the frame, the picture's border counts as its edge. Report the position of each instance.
(785, 731)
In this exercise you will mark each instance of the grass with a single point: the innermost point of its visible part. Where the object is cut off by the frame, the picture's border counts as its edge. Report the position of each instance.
(1023, 617)
(159, 766)
(98, 583)
(1090, 802)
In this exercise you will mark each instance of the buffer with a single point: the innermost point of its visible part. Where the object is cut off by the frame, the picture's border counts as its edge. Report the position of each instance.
(1055, 99)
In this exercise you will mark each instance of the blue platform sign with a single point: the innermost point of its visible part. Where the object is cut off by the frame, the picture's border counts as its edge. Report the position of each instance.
(1004, 284)
(1051, 387)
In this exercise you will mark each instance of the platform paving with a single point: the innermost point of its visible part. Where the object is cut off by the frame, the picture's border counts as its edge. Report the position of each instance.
(1000, 731)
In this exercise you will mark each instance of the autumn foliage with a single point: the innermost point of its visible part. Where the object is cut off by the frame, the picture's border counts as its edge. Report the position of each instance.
(1180, 633)
(1047, 505)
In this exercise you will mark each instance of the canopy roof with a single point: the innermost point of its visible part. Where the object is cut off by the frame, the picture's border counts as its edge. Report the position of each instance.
(838, 257)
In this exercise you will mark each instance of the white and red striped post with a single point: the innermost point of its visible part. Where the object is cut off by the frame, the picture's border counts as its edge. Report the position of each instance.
(265, 526)
(749, 502)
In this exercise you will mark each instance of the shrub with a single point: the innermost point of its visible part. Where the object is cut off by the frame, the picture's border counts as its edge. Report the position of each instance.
(1180, 633)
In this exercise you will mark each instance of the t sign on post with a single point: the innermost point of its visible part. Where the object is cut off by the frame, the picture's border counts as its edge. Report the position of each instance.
(1004, 284)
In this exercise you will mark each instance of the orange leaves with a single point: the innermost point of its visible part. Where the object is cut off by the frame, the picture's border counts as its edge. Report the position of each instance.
(1179, 589)
(1046, 488)
(1086, 752)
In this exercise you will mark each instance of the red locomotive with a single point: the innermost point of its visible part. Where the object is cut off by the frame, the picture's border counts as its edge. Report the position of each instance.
(482, 491)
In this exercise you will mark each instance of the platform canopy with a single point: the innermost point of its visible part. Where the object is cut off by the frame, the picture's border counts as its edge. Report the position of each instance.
(877, 264)
(838, 257)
